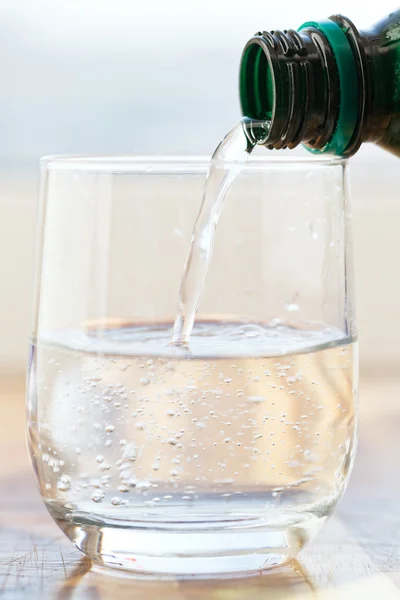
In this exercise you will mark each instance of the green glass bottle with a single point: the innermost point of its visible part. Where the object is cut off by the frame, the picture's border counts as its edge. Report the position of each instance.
(326, 85)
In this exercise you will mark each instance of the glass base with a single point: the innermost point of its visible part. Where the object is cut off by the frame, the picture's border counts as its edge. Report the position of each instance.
(237, 548)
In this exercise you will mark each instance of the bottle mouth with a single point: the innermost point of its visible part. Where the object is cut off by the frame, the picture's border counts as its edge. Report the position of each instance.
(305, 84)
(266, 82)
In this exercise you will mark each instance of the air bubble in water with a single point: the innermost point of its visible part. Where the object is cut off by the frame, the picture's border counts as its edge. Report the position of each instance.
(292, 306)
(98, 496)
(116, 501)
(64, 483)
(130, 452)
(255, 399)
(104, 466)
(143, 485)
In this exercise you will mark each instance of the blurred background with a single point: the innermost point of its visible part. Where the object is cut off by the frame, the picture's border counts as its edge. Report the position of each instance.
(122, 76)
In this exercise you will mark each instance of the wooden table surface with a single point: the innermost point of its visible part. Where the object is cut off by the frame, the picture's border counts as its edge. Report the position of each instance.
(356, 556)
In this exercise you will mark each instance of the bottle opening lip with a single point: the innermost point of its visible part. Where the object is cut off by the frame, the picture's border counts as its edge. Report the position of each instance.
(257, 86)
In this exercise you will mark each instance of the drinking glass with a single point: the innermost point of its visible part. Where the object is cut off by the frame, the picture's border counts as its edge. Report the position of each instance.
(226, 456)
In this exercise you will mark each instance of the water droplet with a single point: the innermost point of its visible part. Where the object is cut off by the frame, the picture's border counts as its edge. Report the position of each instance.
(110, 428)
(144, 380)
(99, 458)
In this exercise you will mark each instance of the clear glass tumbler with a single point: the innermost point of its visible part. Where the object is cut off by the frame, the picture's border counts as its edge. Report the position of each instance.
(224, 457)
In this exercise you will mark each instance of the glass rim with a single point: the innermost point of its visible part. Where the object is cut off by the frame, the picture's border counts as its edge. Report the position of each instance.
(103, 163)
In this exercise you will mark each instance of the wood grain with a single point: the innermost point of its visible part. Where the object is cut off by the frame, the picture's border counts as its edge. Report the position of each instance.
(357, 555)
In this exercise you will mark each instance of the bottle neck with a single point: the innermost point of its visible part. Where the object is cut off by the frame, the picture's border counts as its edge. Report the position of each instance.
(310, 84)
